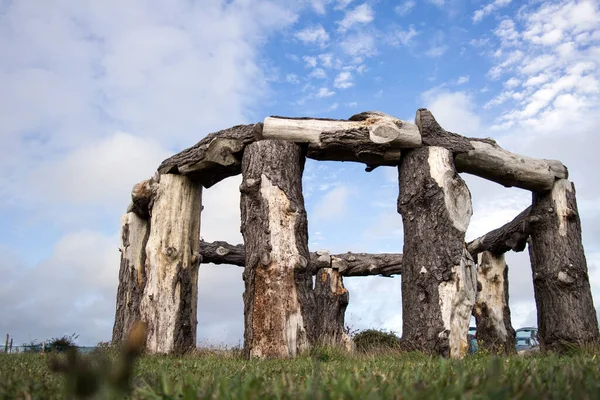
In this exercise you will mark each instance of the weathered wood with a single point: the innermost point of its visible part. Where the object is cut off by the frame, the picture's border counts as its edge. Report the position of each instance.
(132, 274)
(492, 312)
(490, 161)
(279, 304)
(565, 309)
(214, 158)
(170, 297)
(142, 196)
(350, 264)
(331, 298)
(511, 236)
(438, 274)
(485, 158)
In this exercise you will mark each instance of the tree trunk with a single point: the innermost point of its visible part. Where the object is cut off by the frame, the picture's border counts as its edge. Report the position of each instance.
(331, 299)
(170, 297)
(492, 313)
(132, 274)
(278, 299)
(566, 314)
(438, 275)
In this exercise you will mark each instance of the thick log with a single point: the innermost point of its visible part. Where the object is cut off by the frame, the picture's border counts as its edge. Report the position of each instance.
(492, 312)
(279, 304)
(565, 309)
(372, 138)
(331, 298)
(132, 274)
(438, 275)
(511, 236)
(170, 297)
(214, 158)
(349, 264)
(485, 158)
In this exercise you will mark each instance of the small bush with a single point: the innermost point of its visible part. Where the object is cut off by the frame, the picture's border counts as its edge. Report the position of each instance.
(61, 344)
(373, 340)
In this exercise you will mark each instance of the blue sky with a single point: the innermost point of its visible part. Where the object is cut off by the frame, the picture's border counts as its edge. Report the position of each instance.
(95, 94)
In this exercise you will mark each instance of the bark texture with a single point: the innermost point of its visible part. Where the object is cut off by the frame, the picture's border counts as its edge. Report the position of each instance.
(438, 276)
(214, 158)
(132, 274)
(279, 303)
(565, 309)
(142, 197)
(170, 297)
(349, 264)
(331, 299)
(492, 313)
(511, 236)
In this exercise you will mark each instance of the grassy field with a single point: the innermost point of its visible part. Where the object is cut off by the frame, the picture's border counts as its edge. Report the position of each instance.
(328, 375)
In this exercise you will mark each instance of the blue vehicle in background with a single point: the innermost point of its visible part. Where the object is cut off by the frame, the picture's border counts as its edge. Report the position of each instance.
(526, 339)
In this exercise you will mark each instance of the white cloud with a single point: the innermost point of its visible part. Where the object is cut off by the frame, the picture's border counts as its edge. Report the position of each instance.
(318, 6)
(318, 73)
(455, 111)
(326, 59)
(405, 8)
(342, 4)
(359, 46)
(310, 61)
(324, 92)
(488, 9)
(334, 106)
(437, 47)
(333, 205)
(343, 80)
(512, 83)
(360, 15)
(352, 104)
(462, 80)
(401, 37)
(313, 34)
(292, 78)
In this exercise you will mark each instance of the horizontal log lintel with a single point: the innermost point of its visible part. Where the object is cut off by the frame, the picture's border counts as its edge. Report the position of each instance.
(349, 264)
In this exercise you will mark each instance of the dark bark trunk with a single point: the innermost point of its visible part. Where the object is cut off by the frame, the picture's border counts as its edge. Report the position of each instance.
(438, 275)
(132, 274)
(566, 314)
(492, 312)
(331, 301)
(214, 158)
(278, 301)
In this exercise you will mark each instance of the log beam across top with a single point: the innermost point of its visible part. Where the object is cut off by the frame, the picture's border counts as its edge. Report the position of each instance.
(348, 264)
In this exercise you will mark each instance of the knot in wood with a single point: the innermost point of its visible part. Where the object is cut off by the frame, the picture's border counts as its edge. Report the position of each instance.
(171, 251)
(222, 251)
(249, 185)
(302, 262)
(265, 258)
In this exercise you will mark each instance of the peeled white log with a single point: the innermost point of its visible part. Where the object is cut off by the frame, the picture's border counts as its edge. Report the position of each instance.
(492, 313)
(170, 297)
(379, 128)
(132, 274)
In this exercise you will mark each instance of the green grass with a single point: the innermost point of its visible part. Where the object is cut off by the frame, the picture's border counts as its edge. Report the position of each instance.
(328, 374)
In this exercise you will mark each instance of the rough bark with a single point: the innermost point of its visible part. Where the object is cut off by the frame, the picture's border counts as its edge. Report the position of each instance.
(142, 196)
(214, 158)
(331, 299)
(132, 274)
(350, 264)
(565, 309)
(170, 297)
(492, 312)
(511, 236)
(438, 275)
(485, 158)
(278, 298)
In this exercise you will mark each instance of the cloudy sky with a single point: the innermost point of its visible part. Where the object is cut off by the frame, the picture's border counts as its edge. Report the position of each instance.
(96, 93)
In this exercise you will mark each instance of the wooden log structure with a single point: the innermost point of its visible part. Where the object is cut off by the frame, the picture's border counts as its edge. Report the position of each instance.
(492, 312)
(565, 309)
(438, 276)
(348, 264)
(132, 274)
(170, 297)
(279, 304)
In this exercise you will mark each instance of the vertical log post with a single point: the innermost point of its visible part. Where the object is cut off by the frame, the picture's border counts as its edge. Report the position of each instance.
(566, 314)
(438, 275)
(170, 297)
(331, 298)
(6, 344)
(10, 346)
(278, 298)
(492, 313)
(132, 273)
